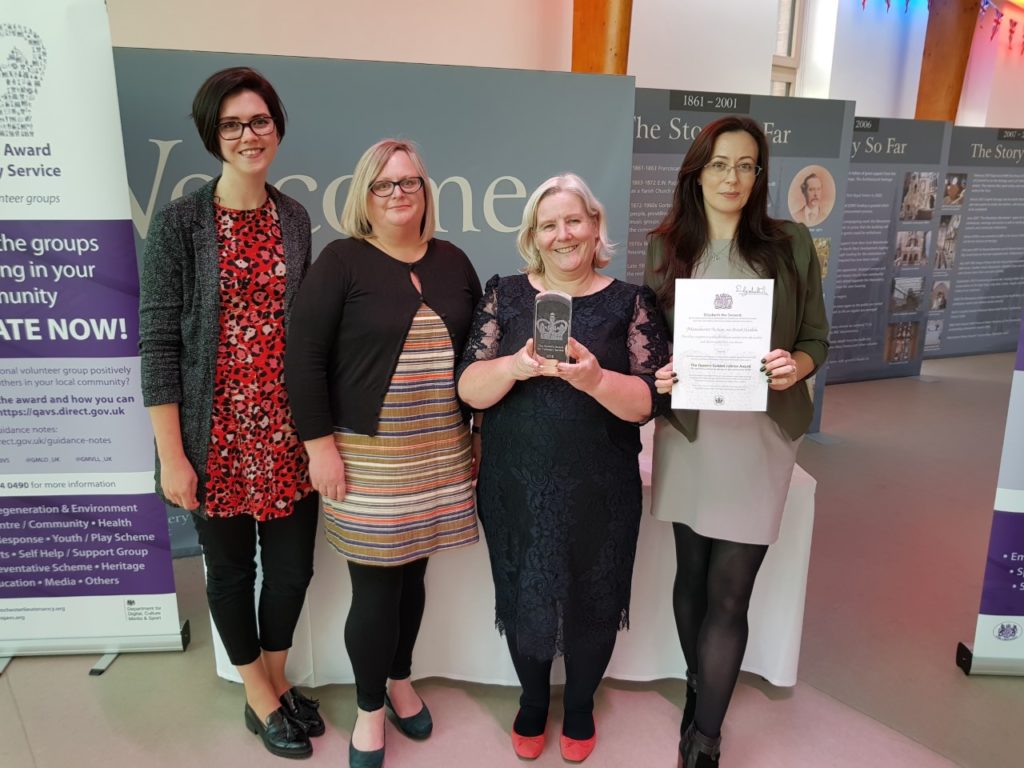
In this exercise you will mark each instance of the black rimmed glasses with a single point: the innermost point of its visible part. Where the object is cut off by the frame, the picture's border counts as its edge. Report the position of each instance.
(722, 168)
(229, 130)
(386, 187)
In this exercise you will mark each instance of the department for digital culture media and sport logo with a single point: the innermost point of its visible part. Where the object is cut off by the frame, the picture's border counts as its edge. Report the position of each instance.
(1008, 630)
(21, 76)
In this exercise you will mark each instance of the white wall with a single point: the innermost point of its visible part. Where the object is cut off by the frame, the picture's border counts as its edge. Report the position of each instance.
(707, 45)
(869, 56)
(993, 92)
(877, 59)
(524, 34)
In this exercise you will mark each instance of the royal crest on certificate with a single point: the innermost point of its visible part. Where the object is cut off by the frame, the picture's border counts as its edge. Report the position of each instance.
(723, 329)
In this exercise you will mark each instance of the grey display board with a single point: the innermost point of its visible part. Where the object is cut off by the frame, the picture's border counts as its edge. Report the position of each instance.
(977, 296)
(893, 259)
(805, 136)
(489, 137)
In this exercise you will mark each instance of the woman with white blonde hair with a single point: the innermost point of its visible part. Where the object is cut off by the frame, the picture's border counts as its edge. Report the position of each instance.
(559, 488)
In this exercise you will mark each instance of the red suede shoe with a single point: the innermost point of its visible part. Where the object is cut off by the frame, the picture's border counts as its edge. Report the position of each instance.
(527, 747)
(577, 750)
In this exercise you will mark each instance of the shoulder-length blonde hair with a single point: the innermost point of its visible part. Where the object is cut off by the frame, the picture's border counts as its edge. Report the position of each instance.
(354, 218)
(565, 182)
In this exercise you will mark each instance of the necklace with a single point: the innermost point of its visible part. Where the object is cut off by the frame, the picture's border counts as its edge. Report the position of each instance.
(719, 249)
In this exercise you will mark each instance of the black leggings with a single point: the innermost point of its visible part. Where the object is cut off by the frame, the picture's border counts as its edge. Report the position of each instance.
(584, 668)
(714, 579)
(382, 625)
(286, 555)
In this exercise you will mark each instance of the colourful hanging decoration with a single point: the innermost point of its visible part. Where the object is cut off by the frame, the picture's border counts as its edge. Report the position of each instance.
(906, 7)
(888, 5)
(998, 20)
(985, 5)
(1013, 29)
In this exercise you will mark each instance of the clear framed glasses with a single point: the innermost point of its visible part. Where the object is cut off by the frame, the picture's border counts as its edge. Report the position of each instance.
(722, 168)
(386, 187)
(233, 129)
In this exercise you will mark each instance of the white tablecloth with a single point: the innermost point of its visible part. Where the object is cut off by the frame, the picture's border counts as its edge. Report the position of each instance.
(458, 640)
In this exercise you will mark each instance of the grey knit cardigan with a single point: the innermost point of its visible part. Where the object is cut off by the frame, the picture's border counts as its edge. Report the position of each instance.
(179, 310)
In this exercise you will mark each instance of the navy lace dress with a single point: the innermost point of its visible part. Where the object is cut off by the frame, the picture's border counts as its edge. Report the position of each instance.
(559, 490)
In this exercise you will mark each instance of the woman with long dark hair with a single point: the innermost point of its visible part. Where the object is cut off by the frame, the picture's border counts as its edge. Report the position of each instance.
(724, 486)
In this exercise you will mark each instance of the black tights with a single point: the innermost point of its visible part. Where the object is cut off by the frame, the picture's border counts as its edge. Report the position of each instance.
(711, 594)
(382, 625)
(584, 668)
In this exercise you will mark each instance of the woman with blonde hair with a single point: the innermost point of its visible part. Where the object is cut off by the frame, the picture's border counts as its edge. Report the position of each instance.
(559, 489)
(378, 325)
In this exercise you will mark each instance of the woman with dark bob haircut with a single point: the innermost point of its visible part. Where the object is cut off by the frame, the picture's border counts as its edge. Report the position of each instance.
(220, 271)
(724, 487)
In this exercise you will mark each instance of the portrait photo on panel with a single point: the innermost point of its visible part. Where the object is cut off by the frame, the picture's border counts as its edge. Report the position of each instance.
(953, 192)
(812, 194)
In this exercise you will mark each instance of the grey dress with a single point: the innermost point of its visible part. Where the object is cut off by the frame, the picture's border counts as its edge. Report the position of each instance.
(731, 482)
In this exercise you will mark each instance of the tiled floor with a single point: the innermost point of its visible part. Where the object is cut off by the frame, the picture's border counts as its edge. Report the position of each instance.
(902, 518)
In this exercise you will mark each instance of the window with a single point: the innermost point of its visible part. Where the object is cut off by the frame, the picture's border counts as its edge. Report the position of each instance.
(786, 60)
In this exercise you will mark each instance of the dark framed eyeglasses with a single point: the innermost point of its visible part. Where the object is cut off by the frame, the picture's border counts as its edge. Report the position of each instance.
(386, 187)
(233, 129)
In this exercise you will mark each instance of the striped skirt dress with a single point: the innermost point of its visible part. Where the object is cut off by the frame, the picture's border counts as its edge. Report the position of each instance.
(409, 488)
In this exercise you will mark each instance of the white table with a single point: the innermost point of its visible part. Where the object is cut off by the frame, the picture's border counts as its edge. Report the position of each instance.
(458, 639)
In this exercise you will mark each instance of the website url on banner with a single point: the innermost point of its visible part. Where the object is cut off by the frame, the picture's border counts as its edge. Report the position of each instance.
(94, 412)
(49, 442)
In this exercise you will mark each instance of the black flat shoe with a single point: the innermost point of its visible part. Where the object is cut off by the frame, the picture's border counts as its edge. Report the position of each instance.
(418, 726)
(304, 711)
(357, 758)
(280, 735)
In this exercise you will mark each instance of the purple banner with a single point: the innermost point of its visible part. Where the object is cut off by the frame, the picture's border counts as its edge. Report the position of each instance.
(68, 289)
(61, 546)
(1003, 591)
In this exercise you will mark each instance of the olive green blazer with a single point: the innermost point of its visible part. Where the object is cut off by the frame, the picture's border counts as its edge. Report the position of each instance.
(799, 324)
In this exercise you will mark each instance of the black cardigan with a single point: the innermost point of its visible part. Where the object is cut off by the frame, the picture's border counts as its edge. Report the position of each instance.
(349, 323)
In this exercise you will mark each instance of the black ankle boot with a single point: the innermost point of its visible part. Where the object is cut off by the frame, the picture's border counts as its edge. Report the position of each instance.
(690, 704)
(697, 750)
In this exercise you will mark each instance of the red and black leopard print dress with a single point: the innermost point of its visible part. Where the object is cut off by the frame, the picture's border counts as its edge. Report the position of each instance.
(256, 465)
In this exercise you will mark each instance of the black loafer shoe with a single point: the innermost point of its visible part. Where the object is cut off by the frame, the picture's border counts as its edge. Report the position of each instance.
(280, 735)
(304, 711)
(357, 758)
(417, 726)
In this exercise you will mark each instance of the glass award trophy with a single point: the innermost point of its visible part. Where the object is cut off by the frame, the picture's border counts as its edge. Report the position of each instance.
(552, 325)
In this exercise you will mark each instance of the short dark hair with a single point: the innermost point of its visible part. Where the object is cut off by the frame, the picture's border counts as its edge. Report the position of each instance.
(806, 182)
(219, 86)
